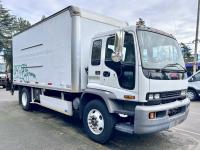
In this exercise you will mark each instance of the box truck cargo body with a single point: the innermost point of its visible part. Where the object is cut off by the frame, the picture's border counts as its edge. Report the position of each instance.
(56, 51)
(114, 76)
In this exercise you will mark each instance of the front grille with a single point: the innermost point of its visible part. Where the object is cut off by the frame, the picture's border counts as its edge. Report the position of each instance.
(158, 102)
(170, 94)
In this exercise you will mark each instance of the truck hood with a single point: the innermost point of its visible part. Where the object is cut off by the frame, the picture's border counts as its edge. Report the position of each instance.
(167, 85)
(2, 75)
(194, 85)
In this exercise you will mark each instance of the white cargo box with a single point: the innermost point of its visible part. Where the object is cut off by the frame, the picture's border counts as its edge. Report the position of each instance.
(54, 52)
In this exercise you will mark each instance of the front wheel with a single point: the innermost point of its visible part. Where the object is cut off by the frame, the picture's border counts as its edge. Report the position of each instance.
(98, 122)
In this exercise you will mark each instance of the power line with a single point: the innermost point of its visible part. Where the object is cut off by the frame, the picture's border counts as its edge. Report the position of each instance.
(196, 39)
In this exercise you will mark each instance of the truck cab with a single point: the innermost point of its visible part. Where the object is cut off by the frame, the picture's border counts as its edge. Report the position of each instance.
(150, 62)
(141, 70)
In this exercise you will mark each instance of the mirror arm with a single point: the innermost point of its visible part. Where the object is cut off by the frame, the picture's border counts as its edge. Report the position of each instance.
(119, 42)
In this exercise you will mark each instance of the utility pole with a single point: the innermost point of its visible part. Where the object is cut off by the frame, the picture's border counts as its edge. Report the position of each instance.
(196, 40)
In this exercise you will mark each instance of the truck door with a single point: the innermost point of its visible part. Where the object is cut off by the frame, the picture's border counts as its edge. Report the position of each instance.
(94, 74)
(120, 74)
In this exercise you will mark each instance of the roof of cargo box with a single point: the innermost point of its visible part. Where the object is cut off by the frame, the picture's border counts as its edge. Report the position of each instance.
(76, 11)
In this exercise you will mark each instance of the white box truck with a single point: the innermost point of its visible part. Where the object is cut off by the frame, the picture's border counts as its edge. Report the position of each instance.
(114, 76)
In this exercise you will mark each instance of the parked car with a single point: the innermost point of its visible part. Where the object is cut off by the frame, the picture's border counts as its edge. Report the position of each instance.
(194, 86)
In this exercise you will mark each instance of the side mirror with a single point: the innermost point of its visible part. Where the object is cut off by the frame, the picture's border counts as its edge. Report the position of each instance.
(116, 57)
(118, 46)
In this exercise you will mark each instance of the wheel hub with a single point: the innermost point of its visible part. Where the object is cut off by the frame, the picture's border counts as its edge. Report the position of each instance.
(95, 121)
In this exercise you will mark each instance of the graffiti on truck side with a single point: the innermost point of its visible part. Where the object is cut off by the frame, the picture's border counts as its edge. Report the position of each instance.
(22, 72)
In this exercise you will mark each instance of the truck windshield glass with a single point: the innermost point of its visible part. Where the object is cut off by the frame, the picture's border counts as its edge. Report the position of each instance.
(158, 51)
(2, 68)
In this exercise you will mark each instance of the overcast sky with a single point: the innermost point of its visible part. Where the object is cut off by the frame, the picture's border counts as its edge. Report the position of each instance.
(173, 16)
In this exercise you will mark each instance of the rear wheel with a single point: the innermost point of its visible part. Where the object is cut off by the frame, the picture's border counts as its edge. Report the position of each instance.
(98, 122)
(25, 99)
(192, 95)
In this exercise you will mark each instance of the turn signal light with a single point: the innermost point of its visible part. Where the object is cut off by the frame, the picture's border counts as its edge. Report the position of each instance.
(152, 115)
(129, 97)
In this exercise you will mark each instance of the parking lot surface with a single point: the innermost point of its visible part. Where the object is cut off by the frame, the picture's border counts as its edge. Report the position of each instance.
(43, 129)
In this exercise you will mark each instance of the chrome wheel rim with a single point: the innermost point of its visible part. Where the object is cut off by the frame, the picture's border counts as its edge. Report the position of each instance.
(24, 99)
(95, 121)
(190, 95)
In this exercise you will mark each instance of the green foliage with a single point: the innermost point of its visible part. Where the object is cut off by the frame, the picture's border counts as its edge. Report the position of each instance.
(9, 25)
(186, 52)
(20, 24)
(5, 28)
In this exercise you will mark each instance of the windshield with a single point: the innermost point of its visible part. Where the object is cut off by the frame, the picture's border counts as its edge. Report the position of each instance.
(159, 51)
(2, 68)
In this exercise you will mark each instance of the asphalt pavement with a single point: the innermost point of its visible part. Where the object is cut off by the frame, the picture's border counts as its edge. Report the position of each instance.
(44, 129)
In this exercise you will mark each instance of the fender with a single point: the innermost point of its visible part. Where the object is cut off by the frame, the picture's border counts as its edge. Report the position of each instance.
(108, 98)
(193, 87)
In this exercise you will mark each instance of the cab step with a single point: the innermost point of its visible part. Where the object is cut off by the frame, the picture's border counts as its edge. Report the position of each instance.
(125, 127)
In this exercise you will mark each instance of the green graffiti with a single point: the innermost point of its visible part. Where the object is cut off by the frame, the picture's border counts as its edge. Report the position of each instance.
(21, 72)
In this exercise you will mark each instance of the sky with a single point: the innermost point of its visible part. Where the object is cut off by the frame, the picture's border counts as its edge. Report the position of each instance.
(177, 17)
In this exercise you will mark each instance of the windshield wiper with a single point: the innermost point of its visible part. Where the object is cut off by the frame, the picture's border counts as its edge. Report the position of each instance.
(173, 65)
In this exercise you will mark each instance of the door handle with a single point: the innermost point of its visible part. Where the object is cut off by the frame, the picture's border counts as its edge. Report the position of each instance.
(106, 74)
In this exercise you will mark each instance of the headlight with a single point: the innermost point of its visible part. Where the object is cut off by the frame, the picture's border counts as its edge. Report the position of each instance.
(183, 93)
(150, 97)
(156, 96)
(153, 96)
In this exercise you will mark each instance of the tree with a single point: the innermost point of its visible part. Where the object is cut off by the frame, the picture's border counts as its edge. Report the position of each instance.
(9, 25)
(186, 52)
(5, 28)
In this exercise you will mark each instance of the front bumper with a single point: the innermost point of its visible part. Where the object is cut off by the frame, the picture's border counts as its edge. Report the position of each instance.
(165, 119)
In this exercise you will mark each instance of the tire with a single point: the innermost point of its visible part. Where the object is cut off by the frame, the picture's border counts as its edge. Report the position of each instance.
(25, 99)
(192, 95)
(96, 115)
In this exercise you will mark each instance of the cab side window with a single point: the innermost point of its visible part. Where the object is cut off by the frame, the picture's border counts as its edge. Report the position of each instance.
(110, 48)
(96, 53)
